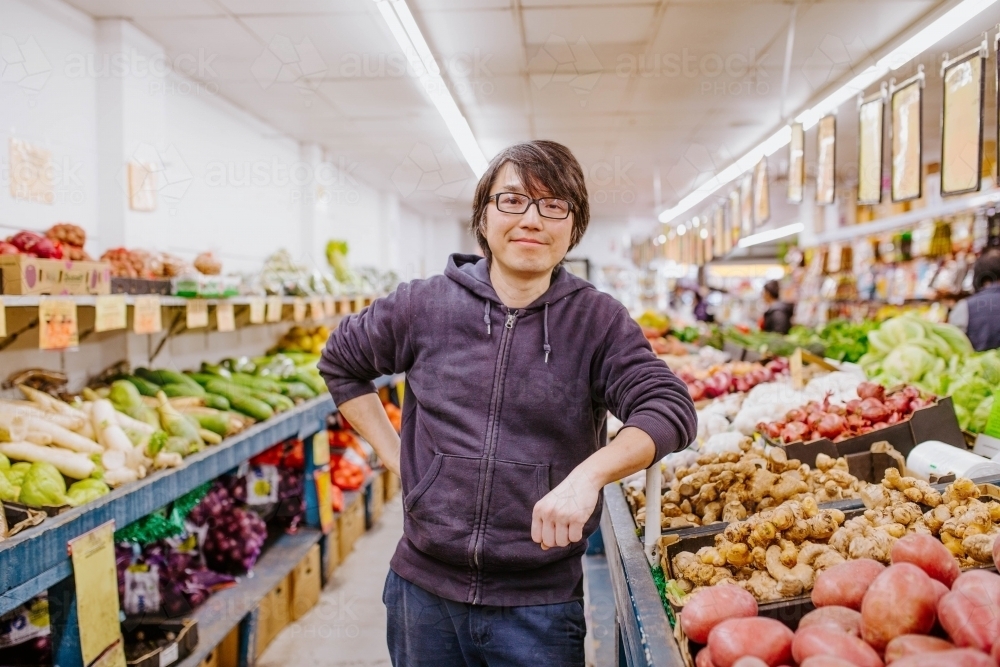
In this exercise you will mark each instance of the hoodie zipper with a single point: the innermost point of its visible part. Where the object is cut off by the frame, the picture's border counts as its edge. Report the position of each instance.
(492, 431)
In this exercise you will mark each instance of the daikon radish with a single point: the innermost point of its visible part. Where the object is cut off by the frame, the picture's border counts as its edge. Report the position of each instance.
(113, 459)
(51, 403)
(64, 437)
(109, 433)
(76, 466)
(38, 438)
(120, 476)
(168, 460)
(130, 423)
(29, 409)
(13, 428)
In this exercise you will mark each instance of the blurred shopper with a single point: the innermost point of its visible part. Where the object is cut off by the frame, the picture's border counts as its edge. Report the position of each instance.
(702, 311)
(512, 364)
(979, 315)
(778, 316)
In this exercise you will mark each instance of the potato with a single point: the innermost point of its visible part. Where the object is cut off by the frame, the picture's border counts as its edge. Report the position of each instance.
(901, 601)
(749, 661)
(826, 661)
(995, 651)
(844, 618)
(845, 584)
(704, 658)
(940, 590)
(978, 580)
(764, 638)
(971, 618)
(710, 606)
(959, 657)
(927, 553)
(905, 645)
(826, 640)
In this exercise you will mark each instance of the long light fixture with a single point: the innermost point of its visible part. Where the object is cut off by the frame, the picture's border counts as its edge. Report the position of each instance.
(771, 235)
(407, 34)
(937, 30)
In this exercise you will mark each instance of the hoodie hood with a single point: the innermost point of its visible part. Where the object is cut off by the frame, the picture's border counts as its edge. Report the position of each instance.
(471, 272)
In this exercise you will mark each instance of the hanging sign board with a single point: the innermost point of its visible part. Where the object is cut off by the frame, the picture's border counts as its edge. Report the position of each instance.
(299, 310)
(57, 324)
(273, 309)
(96, 579)
(257, 310)
(316, 310)
(224, 319)
(146, 315)
(197, 313)
(110, 312)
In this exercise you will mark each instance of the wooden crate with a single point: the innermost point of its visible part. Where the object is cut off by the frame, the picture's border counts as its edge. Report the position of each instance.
(306, 584)
(351, 523)
(391, 484)
(332, 552)
(212, 659)
(228, 652)
(274, 613)
(374, 501)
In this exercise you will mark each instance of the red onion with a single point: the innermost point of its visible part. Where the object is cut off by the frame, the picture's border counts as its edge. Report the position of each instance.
(874, 410)
(911, 392)
(814, 418)
(871, 390)
(697, 390)
(919, 403)
(898, 402)
(894, 418)
(794, 431)
(773, 430)
(796, 415)
(831, 426)
(853, 405)
(855, 422)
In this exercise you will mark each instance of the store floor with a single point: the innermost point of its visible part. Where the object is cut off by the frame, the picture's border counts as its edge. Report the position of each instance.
(347, 627)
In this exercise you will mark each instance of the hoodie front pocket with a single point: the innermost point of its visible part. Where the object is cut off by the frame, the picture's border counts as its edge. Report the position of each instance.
(440, 510)
(508, 546)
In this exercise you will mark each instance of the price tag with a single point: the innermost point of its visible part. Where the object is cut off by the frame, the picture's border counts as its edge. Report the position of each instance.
(273, 309)
(142, 589)
(299, 310)
(343, 307)
(224, 318)
(3, 320)
(330, 306)
(169, 654)
(146, 315)
(262, 485)
(316, 309)
(197, 313)
(57, 325)
(110, 312)
(795, 368)
(257, 309)
(359, 304)
(321, 449)
(323, 498)
(96, 578)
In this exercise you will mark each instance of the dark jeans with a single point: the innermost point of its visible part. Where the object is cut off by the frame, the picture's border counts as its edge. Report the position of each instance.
(427, 630)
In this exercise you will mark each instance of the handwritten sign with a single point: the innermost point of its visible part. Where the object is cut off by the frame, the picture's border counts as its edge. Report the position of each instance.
(197, 313)
(274, 309)
(93, 558)
(321, 449)
(321, 478)
(224, 318)
(299, 310)
(110, 312)
(3, 320)
(146, 315)
(316, 310)
(330, 306)
(57, 325)
(257, 310)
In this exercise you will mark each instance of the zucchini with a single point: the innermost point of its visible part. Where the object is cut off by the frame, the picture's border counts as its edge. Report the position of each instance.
(202, 378)
(256, 383)
(240, 399)
(314, 381)
(216, 401)
(173, 390)
(216, 423)
(297, 390)
(145, 387)
(164, 376)
(279, 402)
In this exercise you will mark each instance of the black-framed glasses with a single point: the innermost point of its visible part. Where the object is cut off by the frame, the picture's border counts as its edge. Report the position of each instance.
(548, 207)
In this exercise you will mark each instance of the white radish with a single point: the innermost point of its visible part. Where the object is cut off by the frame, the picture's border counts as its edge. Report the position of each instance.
(64, 437)
(133, 424)
(76, 466)
(50, 403)
(120, 476)
(113, 459)
(38, 438)
(109, 433)
(29, 409)
(168, 460)
(13, 428)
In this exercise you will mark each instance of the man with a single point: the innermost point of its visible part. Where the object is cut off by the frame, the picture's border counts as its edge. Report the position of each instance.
(511, 365)
(978, 315)
(778, 316)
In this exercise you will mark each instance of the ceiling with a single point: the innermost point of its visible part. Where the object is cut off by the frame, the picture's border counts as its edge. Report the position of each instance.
(640, 88)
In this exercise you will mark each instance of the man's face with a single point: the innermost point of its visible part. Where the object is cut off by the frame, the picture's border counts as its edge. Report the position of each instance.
(525, 243)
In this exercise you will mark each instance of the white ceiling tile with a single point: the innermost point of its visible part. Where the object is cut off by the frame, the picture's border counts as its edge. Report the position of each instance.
(145, 8)
(475, 44)
(295, 7)
(588, 25)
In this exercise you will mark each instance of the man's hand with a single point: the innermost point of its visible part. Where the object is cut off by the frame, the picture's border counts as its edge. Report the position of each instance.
(558, 518)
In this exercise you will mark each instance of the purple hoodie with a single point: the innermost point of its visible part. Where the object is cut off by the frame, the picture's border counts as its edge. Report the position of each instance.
(500, 406)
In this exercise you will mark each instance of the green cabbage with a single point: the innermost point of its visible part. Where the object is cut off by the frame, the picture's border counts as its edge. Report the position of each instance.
(86, 490)
(970, 391)
(43, 485)
(17, 472)
(908, 363)
(954, 337)
(8, 491)
(899, 330)
(4, 463)
(964, 417)
(978, 422)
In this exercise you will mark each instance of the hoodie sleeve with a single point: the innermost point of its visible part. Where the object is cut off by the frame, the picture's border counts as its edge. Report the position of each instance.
(641, 391)
(367, 345)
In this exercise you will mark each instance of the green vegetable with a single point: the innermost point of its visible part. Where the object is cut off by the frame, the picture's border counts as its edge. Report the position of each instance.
(202, 378)
(17, 472)
(86, 490)
(296, 390)
(217, 402)
(217, 422)
(43, 485)
(176, 424)
(156, 443)
(125, 395)
(240, 399)
(312, 379)
(180, 445)
(145, 387)
(185, 389)
(163, 376)
(4, 463)
(278, 402)
(978, 422)
(8, 491)
(256, 383)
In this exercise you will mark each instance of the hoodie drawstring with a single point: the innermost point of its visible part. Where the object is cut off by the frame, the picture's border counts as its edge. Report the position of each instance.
(545, 325)
(486, 319)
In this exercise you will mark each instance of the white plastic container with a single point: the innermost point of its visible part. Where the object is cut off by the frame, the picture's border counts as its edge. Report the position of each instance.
(938, 458)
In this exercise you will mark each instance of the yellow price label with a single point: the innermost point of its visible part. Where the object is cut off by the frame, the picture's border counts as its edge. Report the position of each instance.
(274, 305)
(257, 310)
(3, 320)
(110, 312)
(146, 317)
(57, 324)
(224, 318)
(321, 478)
(197, 313)
(96, 579)
(299, 310)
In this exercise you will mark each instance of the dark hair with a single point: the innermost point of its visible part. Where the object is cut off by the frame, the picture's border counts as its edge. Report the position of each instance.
(986, 269)
(544, 167)
(772, 288)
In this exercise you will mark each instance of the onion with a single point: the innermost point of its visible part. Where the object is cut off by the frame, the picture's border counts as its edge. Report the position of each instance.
(898, 402)
(796, 415)
(919, 403)
(853, 405)
(814, 418)
(794, 431)
(874, 410)
(831, 426)
(911, 392)
(871, 390)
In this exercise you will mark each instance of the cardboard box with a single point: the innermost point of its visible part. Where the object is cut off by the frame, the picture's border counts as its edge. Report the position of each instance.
(351, 523)
(374, 501)
(391, 485)
(273, 613)
(331, 554)
(936, 422)
(306, 584)
(185, 640)
(140, 286)
(212, 659)
(228, 652)
(22, 274)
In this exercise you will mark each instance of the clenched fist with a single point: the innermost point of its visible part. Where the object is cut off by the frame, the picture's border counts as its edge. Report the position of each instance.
(558, 519)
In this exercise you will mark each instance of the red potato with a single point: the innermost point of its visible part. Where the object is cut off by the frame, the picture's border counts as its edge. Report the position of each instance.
(901, 601)
(704, 658)
(971, 618)
(960, 657)
(826, 661)
(710, 606)
(905, 645)
(996, 551)
(927, 553)
(845, 584)
(843, 618)
(940, 590)
(749, 661)
(763, 638)
(995, 651)
(978, 580)
(826, 640)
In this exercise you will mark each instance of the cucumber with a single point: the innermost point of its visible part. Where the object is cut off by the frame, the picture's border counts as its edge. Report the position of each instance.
(216, 423)
(297, 390)
(279, 402)
(145, 387)
(164, 376)
(173, 390)
(202, 378)
(240, 399)
(215, 401)
(314, 381)
(256, 383)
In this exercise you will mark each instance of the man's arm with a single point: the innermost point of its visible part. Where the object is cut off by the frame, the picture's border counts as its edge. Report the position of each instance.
(367, 416)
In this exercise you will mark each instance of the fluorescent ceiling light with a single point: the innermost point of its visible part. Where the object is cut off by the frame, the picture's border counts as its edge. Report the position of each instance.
(407, 34)
(940, 28)
(771, 235)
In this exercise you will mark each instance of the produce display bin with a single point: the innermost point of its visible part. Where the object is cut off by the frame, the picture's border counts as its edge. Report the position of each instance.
(306, 584)
(185, 639)
(351, 522)
(140, 286)
(274, 613)
(391, 485)
(23, 274)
